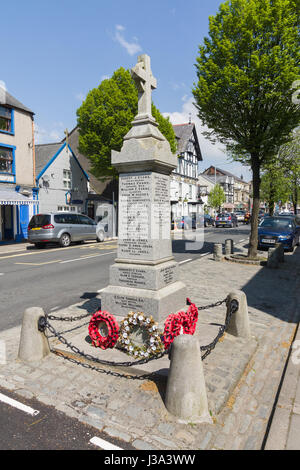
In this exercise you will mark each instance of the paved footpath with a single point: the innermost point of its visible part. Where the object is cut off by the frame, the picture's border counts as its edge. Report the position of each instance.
(242, 378)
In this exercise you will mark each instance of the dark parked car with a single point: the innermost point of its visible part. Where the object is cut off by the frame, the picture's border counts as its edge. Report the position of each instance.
(278, 229)
(208, 220)
(226, 219)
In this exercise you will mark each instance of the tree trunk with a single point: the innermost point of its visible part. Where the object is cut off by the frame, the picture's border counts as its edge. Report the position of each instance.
(295, 197)
(255, 165)
(272, 196)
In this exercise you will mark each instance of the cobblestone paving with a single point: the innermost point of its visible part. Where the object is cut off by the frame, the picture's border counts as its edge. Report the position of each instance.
(242, 378)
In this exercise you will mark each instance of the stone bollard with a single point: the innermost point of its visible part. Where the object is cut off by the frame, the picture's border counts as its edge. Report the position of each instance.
(272, 258)
(186, 393)
(218, 251)
(280, 252)
(239, 324)
(33, 343)
(229, 248)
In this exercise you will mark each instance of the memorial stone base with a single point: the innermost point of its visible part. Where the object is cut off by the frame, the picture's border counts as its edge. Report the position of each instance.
(156, 290)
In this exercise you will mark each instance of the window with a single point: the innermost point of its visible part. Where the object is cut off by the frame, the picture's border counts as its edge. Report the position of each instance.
(67, 179)
(65, 219)
(84, 220)
(6, 120)
(6, 160)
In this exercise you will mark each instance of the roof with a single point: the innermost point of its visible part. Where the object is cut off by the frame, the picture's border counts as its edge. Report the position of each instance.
(7, 99)
(103, 188)
(45, 154)
(226, 173)
(183, 133)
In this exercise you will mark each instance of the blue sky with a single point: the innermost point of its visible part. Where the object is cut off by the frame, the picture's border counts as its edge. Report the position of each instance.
(60, 49)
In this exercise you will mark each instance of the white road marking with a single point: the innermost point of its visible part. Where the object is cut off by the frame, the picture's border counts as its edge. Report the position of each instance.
(17, 404)
(205, 254)
(1, 274)
(54, 308)
(86, 257)
(185, 261)
(103, 444)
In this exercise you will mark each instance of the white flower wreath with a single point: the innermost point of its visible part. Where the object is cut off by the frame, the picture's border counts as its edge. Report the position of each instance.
(153, 344)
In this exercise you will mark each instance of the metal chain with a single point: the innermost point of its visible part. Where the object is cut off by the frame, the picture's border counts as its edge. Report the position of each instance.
(234, 305)
(216, 304)
(43, 324)
(79, 317)
(76, 350)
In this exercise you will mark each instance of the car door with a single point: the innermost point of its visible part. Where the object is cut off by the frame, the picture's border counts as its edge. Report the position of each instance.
(72, 223)
(88, 227)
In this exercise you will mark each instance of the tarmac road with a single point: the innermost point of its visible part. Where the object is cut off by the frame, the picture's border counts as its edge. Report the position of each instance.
(48, 430)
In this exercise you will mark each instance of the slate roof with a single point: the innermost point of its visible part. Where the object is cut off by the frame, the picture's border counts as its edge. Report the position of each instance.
(183, 133)
(102, 188)
(7, 99)
(43, 154)
(225, 173)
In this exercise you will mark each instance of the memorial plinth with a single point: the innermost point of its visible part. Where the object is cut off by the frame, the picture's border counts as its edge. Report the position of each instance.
(145, 275)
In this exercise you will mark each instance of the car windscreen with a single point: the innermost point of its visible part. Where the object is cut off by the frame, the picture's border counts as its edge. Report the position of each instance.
(279, 224)
(39, 220)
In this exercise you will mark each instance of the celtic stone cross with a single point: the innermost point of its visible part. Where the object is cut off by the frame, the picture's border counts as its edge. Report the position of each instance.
(142, 75)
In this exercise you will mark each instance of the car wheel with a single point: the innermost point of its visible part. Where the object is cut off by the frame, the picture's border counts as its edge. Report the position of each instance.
(65, 240)
(100, 236)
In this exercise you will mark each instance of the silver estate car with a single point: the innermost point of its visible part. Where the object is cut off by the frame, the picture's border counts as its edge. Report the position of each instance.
(62, 228)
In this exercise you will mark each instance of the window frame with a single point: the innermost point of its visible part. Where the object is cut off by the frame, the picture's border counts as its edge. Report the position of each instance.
(67, 180)
(12, 121)
(12, 173)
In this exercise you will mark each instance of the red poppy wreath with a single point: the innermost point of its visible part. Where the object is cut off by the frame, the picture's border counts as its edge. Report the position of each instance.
(108, 323)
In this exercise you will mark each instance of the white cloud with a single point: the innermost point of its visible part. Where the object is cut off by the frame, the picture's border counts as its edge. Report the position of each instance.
(131, 47)
(46, 136)
(3, 85)
(80, 96)
(213, 154)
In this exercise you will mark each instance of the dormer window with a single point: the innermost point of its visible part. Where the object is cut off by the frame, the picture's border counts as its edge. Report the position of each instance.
(6, 120)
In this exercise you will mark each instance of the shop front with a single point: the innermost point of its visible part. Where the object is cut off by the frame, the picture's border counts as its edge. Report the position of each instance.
(15, 213)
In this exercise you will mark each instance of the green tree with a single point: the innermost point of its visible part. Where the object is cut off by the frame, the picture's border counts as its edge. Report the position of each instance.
(216, 197)
(274, 186)
(105, 117)
(289, 160)
(246, 69)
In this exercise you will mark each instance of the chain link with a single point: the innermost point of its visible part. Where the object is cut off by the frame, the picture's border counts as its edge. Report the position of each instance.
(234, 305)
(216, 304)
(44, 323)
(79, 317)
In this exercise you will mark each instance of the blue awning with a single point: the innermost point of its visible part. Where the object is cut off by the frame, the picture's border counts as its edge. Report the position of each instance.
(12, 198)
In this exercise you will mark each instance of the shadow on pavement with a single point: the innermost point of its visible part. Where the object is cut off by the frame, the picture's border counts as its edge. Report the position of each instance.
(271, 290)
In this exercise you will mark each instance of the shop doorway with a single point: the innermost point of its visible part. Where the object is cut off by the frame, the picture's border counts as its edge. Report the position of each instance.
(7, 225)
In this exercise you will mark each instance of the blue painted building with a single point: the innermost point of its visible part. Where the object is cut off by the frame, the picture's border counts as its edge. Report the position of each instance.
(17, 168)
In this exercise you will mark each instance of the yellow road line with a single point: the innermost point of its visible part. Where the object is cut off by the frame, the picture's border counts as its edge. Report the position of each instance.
(40, 252)
(41, 264)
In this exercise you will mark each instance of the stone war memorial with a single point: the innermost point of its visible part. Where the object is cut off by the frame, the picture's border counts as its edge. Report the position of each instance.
(144, 276)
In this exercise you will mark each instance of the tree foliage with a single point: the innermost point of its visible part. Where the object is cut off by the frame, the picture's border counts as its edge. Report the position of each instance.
(105, 117)
(246, 69)
(216, 197)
